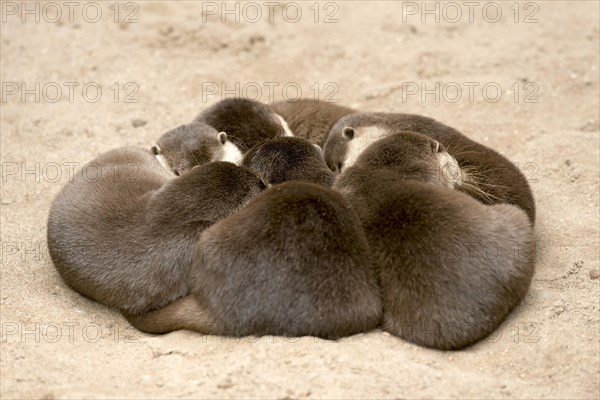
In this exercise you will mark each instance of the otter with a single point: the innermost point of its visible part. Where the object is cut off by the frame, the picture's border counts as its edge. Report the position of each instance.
(123, 232)
(186, 146)
(487, 176)
(311, 119)
(450, 268)
(288, 159)
(247, 122)
(293, 262)
(411, 156)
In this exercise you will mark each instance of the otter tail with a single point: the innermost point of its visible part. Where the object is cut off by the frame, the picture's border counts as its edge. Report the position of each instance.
(185, 313)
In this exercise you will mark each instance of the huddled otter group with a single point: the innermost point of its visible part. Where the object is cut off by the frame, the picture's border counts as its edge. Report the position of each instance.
(239, 224)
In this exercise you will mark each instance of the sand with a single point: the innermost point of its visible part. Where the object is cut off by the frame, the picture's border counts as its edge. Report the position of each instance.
(534, 76)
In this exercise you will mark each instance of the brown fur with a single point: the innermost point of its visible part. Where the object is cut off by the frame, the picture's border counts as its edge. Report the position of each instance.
(410, 155)
(450, 268)
(246, 122)
(491, 178)
(124, 235)
(293, 262)
(189, 145)
(288, 159)
(310, 119)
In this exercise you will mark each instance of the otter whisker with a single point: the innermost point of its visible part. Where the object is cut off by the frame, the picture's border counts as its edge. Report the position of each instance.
(462, 148)
(240, 140)
(482, 170)
(478, 181)
(493, 185)
(464, 152)
(194, 157)
(488, 196)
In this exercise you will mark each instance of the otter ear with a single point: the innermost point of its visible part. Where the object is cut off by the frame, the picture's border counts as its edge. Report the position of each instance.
(156, 150)
(318, 147)
(436, 147)
(348, 133)
(222, 136)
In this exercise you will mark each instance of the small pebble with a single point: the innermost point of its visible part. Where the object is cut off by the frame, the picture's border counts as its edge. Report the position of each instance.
(594, 273)
(138, 122)
(225, 385)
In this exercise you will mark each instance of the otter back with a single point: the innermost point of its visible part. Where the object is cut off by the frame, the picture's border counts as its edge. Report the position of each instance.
(293, 262)
(124, 236)
(450, 268)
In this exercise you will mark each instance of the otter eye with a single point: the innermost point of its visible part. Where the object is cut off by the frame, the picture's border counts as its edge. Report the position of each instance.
(155, 150)
(339, 166)
(262, 185)
(176, 172)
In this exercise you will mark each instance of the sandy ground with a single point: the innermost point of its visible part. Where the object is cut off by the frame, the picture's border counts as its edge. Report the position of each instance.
(534, 75)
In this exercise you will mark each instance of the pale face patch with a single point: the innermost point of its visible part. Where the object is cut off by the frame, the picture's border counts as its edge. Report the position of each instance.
(231, 153)
(286, 128)
(450, 171)
(363, 138)
(163, 161)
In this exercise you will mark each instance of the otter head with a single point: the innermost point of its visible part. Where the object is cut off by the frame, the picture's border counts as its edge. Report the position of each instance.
(207, 193)
(187, 146)
(345, 144)
(288, 159)
(411, 156)
(246, 121)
